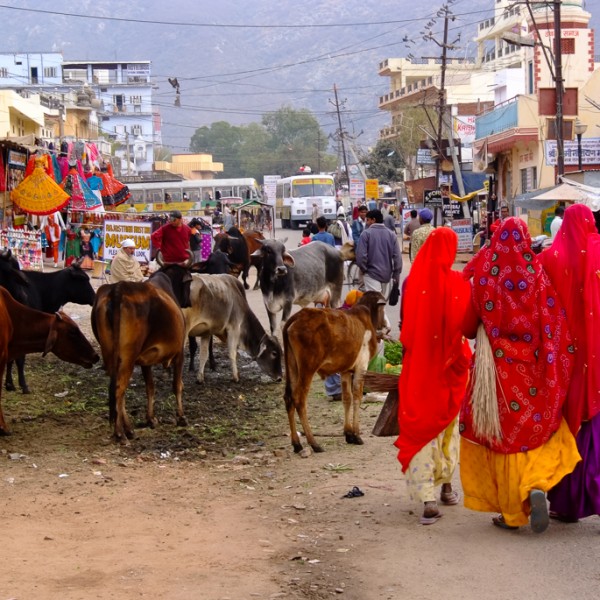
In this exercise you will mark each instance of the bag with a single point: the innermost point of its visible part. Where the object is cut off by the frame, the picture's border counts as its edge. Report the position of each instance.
(394, 294)
(335, 230)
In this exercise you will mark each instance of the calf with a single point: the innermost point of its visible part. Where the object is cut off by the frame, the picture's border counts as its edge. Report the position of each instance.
(139, 324)
(24, 330)
(219, 307)
(311, 273)
(234, 244)
(328, 341)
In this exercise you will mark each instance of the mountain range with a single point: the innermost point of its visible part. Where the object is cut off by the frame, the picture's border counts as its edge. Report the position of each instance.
(236, 60)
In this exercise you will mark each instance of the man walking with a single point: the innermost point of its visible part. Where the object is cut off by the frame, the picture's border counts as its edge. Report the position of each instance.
(420, 234)
(378, 255)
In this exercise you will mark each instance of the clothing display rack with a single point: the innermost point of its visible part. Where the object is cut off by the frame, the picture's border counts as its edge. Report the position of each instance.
(26, 247)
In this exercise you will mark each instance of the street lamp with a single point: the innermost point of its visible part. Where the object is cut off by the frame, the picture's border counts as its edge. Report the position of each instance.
(580, 129)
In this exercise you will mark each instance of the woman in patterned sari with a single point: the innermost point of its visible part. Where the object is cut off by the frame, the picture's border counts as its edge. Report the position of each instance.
(573, 264)
(434, 373)
(515, 444)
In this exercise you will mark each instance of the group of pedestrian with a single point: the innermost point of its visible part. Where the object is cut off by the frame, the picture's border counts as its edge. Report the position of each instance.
(523, 409)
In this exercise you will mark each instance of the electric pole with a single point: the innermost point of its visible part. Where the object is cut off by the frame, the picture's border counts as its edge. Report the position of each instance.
(339, 118)
(442, 100)
(319, 150)
(558, 80)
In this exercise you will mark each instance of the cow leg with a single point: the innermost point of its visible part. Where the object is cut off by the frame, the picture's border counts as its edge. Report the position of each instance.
(298, 401)
(21, 374)
(211, 356)
(123, 430)
(151, 419)
(3, 428)
(193, 345)
(287, 311)
(245, 271)
(233, 341)
(9, 385)
(272, 321)
(177, 367)
(352, 395)
(202, 357)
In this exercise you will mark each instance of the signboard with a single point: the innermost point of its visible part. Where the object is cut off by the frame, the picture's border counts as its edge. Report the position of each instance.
(432, 198)
(117, 231)
(357, 188)
(424, 157)
(590, 152)
(464, 128)
(464, 230)
(452, 209)
(371, 188)
(270, 188)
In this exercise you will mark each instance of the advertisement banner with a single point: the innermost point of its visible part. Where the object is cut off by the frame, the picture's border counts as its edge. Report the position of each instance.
(270, 188)
(372, 188)
(357, 189)
(117, 231)
(464, 230)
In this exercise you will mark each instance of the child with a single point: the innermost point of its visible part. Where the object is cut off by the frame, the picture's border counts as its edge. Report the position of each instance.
(305, 236)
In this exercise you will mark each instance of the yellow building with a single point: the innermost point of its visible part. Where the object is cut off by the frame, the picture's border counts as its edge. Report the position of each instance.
(20, 116)
(191, 166)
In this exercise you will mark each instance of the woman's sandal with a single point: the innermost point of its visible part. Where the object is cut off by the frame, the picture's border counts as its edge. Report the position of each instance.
(500, 522)
(449, 498)
(539, 519)
(562, 518)
(430, 514)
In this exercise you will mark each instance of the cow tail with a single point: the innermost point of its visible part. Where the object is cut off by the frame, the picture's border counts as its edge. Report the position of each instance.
(113, 321)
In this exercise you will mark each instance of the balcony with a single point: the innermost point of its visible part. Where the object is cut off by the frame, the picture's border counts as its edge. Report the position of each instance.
(502, 118)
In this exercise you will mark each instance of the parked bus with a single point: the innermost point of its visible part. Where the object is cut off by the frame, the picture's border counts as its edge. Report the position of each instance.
(296, 195)
(201, 192)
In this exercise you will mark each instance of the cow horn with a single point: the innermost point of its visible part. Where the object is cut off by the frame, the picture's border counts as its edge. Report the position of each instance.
(190, 261)
(159, 258)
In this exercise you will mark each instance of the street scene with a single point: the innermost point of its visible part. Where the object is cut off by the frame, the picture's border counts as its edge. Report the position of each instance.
(300, 306)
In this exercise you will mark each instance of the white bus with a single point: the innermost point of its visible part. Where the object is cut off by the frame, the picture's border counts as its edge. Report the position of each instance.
(198, 191)
(296, 195)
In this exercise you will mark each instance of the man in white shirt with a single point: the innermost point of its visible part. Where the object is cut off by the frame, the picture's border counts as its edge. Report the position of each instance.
(124, 266)
(556, 222)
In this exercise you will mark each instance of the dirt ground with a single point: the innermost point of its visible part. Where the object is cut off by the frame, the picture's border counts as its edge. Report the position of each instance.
(224, 510)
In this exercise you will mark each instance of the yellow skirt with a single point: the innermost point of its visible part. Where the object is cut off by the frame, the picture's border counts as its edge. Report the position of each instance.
(494, 482)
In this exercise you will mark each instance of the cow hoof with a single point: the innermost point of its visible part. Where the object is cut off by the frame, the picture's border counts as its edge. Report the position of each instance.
(246, 286)
(152, 423)
(297, 447)
(10, 387)
(317, 448)
(26, 390)
(4, 432)
(352, 438)
(182, 422)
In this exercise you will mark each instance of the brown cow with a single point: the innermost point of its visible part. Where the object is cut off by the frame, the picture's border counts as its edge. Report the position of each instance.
(138, 324)
(252, 238)
(24, 330)
(328, 341)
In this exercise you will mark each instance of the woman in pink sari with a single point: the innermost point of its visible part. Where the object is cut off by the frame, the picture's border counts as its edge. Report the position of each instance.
(573, 265)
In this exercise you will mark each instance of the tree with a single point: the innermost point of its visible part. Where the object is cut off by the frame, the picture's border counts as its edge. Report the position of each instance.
(283, 141)
(385, 162)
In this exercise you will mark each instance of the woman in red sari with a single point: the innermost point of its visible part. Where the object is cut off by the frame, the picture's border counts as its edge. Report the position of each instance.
(573, 264)
(516, 444)
(434, 372)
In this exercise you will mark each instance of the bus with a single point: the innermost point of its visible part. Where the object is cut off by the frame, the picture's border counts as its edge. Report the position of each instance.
(296, 195)
(201, 192)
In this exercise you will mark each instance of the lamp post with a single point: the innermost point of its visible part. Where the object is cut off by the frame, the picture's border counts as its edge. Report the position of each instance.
(580, 129)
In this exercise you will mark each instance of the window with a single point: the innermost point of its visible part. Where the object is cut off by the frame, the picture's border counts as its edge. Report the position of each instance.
(136, 129)
(119, 128)
(528, 179)
(567, 45)
(49, 71)
(135, 99)
(3, 72)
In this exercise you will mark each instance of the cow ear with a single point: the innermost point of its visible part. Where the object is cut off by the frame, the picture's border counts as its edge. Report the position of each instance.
(52, 337)
(288, 260)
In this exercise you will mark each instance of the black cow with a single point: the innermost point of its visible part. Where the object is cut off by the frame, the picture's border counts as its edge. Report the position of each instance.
(234, 244)
(47, 292)
(217, 263)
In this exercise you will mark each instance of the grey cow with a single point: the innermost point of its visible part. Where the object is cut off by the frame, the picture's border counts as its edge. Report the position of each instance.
(311, 273)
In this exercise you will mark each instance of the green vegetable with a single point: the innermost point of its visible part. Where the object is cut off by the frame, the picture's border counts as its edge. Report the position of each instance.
(393, 352)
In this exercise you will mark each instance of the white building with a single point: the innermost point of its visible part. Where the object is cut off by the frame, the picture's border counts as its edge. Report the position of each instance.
(127, 116)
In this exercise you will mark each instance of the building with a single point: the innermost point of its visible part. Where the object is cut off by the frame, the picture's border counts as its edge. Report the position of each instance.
(191, 166)
(127, 116)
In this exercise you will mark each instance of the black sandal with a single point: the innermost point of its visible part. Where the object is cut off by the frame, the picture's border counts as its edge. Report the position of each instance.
(355, 492)
(500, 522)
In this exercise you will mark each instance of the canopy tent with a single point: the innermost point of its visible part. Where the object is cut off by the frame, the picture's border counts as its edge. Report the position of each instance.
(563, 193)
(568, 191)
(257, 209)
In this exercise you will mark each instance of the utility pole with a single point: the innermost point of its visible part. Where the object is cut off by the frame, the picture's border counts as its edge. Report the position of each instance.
(319, 150)
(442, 100)
(127, 156)
(558, 80)
(337, 109)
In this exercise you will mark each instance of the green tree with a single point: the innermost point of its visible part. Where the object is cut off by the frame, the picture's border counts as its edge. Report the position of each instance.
(223, 141)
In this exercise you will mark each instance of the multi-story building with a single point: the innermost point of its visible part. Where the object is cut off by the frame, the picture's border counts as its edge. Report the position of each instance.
(191, 166)
(124, 90)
